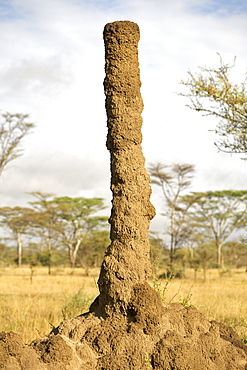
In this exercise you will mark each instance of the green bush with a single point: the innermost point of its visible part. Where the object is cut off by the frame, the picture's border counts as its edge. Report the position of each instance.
(76, 304)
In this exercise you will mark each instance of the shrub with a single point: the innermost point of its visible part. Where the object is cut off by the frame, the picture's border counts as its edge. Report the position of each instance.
(76, 304)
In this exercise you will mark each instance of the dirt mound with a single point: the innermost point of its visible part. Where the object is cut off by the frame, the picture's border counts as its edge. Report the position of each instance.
(182, 340)
(14, 355)
(128, 327)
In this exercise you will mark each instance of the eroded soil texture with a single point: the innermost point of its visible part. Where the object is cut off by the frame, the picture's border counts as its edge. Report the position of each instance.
(182, 340)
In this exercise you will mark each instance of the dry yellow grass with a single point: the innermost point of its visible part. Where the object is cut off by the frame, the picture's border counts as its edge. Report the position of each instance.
(222, 297)
(33, 308)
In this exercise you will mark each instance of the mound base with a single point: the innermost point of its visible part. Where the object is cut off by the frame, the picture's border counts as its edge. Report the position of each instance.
(183, 339)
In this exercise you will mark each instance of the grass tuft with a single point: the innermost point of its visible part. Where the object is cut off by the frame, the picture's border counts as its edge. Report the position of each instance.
(76, 304)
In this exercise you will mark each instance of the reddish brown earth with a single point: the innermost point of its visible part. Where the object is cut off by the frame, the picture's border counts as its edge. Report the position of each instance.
(128, 326)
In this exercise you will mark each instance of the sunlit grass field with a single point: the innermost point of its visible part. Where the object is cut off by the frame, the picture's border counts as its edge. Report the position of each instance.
(32, 303)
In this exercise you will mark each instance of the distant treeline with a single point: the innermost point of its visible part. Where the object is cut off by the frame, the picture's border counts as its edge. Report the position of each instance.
(65, 231)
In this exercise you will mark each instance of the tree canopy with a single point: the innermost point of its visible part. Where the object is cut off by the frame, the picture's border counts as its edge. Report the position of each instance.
(57, 223)
(13, 128)
(217, 214)
(17, 221)
(212, 93)
(68, 220)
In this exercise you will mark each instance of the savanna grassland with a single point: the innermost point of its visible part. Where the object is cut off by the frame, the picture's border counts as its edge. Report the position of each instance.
(33, 302)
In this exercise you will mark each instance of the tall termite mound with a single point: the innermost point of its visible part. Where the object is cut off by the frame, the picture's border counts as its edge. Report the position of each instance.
(126, 266)
(128, 327)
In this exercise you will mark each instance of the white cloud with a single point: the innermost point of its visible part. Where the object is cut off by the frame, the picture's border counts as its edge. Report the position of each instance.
(57, 173)
(35, 76)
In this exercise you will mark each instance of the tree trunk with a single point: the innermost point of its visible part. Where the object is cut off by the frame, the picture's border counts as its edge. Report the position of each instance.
(172, 246)
(70, 249)
(49, 256)
(72, 259)
(19, 249)
(73, 253)
(219, 253)
(195, 273)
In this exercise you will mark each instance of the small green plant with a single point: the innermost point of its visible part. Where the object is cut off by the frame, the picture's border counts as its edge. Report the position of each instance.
(157, 286)
(244, 340)
(76, 304)
(156, 283)
(185, 301)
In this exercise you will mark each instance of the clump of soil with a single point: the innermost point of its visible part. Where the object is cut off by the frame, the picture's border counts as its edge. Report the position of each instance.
(128, 326)
(183, 339)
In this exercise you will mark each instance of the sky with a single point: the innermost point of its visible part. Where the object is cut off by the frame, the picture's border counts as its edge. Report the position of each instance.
(52, 68)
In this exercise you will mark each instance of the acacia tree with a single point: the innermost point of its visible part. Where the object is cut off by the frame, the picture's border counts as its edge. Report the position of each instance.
(68, 220)
(13, 128)
(217, 214)
(75, 219)
(16, 220)
(236, 253)
(43, 224)
(57, 221)
(212, 93)
(173, 180)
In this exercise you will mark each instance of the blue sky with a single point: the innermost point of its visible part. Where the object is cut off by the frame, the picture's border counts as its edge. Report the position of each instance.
(224, 8)
(7, 11)
(52, 67)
